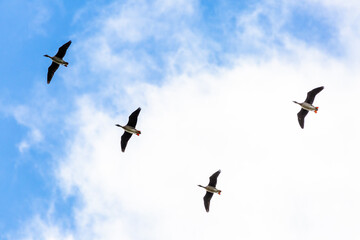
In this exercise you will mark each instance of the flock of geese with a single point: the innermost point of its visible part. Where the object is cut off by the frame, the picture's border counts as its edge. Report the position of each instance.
(129, 128)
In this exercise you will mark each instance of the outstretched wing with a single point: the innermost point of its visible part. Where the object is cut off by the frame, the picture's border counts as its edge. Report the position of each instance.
(311, 95)
(301, 117)
(133, 118)
(62, 50)
(207, 199)
(124, 140)
(51, 70)
(213, 179)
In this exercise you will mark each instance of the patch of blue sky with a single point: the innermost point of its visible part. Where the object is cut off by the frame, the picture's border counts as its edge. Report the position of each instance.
(215, 21)
(313, 26)
(27, 183)
(62, 207)
(22, 187)
(218, 22)
(27, 38)
(26, 179)
(308, 23)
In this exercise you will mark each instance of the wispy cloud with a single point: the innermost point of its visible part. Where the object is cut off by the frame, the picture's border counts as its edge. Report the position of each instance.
(23, 115)
(34, 137)
(41, 15)
(40, 115)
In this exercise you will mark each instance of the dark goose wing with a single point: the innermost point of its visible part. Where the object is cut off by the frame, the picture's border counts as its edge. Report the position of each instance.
(51, 70)
(213, 179)
(301, 117)
(62, 50)
(311, 95)
(124, 140)
(207, 199)
(133, 118)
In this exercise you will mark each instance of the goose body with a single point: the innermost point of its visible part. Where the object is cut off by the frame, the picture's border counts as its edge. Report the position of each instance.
(129, 129)
(210, 190)
(57, 60)
(307, 106)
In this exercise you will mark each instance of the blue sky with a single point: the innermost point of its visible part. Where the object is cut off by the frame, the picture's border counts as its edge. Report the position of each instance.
(62, 175)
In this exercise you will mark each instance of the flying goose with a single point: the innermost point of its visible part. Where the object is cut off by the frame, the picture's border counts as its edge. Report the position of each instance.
(211, 189)
(129, 129)
(57, 60)
(307, 106)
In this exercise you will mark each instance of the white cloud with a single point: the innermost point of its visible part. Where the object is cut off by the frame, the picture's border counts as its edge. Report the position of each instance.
(37, 228)
(41, 16)
(33, 137)
(24, 116)
(278, 181)
(40, 117)
(37, 14)
(271, 185)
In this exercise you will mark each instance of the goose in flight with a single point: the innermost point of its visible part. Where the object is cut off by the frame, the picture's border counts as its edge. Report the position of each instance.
(307, 106)
(129, 129)
(57, 60)
(211, 189)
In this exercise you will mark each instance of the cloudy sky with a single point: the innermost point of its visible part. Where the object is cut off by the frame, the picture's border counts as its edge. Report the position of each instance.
(215, 81)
